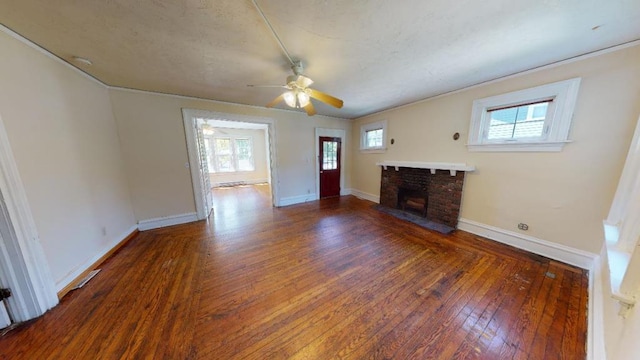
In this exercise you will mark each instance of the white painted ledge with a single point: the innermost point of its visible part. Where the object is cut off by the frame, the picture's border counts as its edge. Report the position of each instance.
(433, 166)
(619, 261)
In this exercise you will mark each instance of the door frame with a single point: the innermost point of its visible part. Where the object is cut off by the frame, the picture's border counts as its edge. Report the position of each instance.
(202, 199)
(190, 117)
(338, 133)
(23, 265)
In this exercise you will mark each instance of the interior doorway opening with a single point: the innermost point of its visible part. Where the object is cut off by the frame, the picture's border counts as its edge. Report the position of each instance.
(226, 151)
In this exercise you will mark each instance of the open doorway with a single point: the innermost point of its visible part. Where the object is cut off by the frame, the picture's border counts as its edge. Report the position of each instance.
(233, 153)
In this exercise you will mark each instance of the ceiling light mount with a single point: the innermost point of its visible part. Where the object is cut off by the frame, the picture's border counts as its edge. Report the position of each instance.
(82, 61)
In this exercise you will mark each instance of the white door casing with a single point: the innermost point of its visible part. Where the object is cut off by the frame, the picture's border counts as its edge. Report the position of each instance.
(5, 320)
(204, 169)
(23, 266)
(201, 197)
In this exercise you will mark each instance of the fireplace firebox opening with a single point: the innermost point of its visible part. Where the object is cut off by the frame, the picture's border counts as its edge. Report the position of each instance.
(413, 201)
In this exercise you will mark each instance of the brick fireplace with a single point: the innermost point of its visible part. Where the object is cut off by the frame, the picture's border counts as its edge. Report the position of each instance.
(430, 190)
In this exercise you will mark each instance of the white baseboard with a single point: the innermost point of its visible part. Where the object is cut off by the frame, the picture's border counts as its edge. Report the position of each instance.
(344, 192)
(243, 182)
(167, 221)
(566, 254)
(72, 276)
(366, 196)
(286, 201)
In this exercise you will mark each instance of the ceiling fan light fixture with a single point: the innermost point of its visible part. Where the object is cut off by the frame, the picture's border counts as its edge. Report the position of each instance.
(290, 98)
(296, 98)
(303, 98)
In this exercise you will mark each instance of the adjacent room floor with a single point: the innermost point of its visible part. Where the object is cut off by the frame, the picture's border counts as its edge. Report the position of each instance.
(326, 279)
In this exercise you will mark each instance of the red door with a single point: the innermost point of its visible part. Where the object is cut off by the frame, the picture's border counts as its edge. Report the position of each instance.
(329, 166)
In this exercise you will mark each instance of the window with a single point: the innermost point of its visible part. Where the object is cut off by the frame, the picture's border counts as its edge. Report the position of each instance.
(223, 157)
(535, 119)
(244, 155)
(229, 154)
(373, 137)
(329, 155)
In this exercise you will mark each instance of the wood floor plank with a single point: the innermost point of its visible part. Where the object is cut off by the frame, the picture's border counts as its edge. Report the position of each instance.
(523, 315)
(554, 344)
(470, 348)
(538, 346)
(376, 314)
(326, 279)
(431, 339)
(491, 342)
(468, 321)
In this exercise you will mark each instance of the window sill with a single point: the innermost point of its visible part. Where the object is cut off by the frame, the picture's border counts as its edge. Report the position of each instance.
(230, 172)
(374, 150)
(547, 146)
(618, 261)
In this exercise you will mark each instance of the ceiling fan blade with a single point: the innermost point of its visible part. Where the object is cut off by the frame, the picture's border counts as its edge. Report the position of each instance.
(303, 82)
(325, 98)
(299, 81)
(276, 101)
(310, 109)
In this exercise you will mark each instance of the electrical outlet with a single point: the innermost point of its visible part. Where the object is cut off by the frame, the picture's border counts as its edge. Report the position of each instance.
(104, 231)
(523, 226)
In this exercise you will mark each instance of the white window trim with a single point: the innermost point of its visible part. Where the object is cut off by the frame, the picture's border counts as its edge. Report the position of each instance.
(363, 137)
(564, 94)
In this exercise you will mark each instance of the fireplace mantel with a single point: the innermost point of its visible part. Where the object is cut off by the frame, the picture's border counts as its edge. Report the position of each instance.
(432, 166)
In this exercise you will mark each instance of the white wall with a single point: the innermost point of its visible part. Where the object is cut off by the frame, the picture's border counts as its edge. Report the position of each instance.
(260, 172)
(154, 147)
(562, 196)
(64, 139)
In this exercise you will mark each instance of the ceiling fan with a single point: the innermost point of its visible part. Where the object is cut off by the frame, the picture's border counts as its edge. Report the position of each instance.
(298, 94)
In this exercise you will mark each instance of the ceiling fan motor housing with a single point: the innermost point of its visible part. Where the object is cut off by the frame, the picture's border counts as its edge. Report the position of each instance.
(297, 67)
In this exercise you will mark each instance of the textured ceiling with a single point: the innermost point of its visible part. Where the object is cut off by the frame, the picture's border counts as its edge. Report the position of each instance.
(373, 54)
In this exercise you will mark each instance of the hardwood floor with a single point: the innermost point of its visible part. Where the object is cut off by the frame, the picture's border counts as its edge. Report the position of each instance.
(321, 280)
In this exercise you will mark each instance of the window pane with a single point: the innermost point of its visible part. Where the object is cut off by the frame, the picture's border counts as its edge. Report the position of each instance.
(518, 122)
(244, 154)
(223, 156)
(374, 138)
(223, 146)
(329, 155)
(225, 163)
(540, 110)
